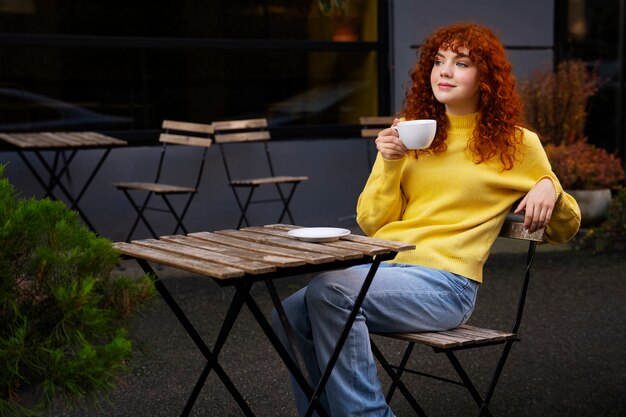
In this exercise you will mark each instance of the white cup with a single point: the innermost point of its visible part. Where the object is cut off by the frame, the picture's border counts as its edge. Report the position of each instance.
(417, 134)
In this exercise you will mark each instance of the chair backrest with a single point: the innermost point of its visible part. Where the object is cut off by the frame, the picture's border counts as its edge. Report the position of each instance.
(371, 125)
(513, 228)
(247, 130)
(186, 134)
(240, 131)
(171, 126)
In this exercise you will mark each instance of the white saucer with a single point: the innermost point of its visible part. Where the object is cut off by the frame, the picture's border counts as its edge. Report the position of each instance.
(318, 234)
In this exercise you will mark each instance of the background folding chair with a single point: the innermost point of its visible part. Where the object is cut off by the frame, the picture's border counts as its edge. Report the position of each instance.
(176, 133)
(254, 130)
(464, 337)
(370, 126)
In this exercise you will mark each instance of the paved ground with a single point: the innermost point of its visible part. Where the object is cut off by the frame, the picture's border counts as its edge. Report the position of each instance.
(571, 361)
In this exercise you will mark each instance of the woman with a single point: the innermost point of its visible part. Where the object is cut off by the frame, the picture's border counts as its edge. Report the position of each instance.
(449, 200)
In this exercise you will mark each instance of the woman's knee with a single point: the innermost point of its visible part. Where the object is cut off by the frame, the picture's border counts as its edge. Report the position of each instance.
(330, 290)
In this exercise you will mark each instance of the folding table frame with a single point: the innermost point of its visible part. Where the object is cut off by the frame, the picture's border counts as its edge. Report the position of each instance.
(197, 252)
(64, 146)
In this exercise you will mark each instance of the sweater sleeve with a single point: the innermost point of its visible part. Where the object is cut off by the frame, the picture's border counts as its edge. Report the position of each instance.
(565, 220)
(382, 200)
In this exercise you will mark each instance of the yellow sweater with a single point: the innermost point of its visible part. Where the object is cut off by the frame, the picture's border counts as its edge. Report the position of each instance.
(451, 208)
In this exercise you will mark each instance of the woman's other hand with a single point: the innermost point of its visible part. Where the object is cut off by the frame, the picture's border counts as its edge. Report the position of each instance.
(538, 205)
(389, 145)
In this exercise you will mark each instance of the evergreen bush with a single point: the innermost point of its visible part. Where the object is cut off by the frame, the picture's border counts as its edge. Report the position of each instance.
(62, 313)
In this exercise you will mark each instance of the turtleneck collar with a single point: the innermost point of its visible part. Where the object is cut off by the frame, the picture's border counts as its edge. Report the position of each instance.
(459, 123)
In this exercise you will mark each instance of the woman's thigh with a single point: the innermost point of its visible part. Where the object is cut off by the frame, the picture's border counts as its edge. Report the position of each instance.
(402, 297)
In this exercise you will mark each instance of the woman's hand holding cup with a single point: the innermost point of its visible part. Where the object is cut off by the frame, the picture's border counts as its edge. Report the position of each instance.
(389, 144)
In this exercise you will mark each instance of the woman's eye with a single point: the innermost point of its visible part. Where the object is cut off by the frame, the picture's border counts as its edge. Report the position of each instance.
(462, 64)
(438, 62)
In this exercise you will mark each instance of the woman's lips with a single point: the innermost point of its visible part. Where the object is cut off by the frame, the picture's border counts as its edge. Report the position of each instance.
(445, 86)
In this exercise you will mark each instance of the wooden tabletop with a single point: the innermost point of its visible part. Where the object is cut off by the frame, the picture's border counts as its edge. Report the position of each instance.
(43, 140)
(228, 254)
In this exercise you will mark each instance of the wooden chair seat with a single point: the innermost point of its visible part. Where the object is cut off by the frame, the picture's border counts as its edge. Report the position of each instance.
(464, 335)
(154, 187)
(268, 180)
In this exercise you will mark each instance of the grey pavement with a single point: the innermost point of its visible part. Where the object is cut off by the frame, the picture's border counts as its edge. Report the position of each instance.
(571, 360)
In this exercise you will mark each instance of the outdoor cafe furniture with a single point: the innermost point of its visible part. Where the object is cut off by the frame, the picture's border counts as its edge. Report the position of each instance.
(64, 146)
(241, 258)
(231, 132)
(466, 337)
(176, 133)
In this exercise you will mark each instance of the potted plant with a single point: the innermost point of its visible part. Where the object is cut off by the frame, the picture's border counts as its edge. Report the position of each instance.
(328, 6)
(556, 106)
(62, 313)
(588, 173)
(611, 234)
(344, 23)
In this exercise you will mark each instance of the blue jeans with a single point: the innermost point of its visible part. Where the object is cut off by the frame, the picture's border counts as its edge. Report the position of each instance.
(402, 298)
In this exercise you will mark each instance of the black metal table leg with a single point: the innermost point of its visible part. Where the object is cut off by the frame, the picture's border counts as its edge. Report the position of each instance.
(210, 356)
(55, 174)
(342, 338)
(282, 352)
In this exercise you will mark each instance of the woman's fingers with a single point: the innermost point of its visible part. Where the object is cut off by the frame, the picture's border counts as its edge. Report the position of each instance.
(389, 145)
(538, 205)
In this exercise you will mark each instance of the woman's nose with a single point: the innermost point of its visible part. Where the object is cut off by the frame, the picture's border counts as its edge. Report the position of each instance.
(445, 71)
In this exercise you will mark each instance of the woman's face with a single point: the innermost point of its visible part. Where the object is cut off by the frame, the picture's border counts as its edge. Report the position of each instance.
(455, 81)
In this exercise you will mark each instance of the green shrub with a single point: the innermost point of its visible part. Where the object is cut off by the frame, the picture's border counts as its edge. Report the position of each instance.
(62, 314)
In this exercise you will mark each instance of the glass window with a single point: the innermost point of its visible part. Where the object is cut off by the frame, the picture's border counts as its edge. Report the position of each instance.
(592, 31)
(120, 65)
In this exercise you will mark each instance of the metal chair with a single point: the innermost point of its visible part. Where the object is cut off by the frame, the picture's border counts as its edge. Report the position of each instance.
(465, 337)
(246, 131)
(176, 133)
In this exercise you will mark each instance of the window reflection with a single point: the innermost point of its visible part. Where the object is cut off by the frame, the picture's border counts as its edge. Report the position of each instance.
(593, 36)
(193, 60)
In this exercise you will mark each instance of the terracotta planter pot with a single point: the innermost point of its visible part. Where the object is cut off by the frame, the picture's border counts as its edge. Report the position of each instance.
(593, 204)
(345, 29)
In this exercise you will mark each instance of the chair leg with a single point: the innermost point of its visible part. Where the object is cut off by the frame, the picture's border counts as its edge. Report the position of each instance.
(484, 411)
(403, 362)
(244, 207)
(179, 219)
(393, 375)
(468, 384)
(286, 202)
(140, 216)
(184, 212)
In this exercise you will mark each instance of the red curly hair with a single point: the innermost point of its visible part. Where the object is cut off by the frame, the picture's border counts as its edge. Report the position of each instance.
(498, 131)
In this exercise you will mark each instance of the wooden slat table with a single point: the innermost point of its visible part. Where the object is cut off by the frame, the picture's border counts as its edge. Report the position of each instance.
(240, 258)
(59, 143)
